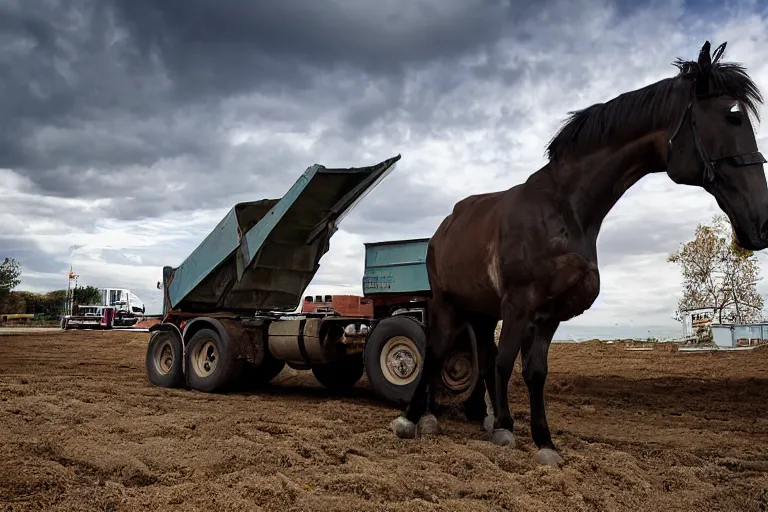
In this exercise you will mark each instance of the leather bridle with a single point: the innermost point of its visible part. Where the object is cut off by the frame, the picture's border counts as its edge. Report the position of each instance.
(739, 160)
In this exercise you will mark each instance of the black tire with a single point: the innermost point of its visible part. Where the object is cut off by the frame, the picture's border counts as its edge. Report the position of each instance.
(210, 362)
(255, 376)
(340, 375)
(164, 360)
(393, 334)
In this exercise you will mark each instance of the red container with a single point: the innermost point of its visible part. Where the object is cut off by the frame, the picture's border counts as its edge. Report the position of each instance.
(344, 305)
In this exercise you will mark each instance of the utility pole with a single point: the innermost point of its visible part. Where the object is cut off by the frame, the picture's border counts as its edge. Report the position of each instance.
(70, 292)
(66, 300)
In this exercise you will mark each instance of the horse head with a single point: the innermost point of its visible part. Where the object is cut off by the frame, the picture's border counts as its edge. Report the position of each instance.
(713, 144)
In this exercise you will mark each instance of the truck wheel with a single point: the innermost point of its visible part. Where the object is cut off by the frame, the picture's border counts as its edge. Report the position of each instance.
(163, 360)
(262, 374)
(458, 378)
(340, 375)
(394, 358)
(211, 365)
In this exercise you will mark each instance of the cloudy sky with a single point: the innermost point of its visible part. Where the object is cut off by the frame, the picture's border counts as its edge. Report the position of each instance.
(130, 127)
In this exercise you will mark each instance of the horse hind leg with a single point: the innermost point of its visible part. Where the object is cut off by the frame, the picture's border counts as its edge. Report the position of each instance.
(444, 324)
(490, 353)
(476, 407)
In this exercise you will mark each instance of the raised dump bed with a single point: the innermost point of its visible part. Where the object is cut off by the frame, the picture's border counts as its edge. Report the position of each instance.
(263, 254)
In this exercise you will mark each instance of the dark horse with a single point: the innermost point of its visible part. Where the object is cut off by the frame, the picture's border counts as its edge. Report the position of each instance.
(527, 256)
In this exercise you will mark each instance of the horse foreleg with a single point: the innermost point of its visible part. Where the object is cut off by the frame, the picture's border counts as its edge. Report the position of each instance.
(515, 327)
(535, 351)
(416, 420)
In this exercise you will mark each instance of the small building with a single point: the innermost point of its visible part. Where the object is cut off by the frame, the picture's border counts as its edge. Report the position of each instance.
(695, 321)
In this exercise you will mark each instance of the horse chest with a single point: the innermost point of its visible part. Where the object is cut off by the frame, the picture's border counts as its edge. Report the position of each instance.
(576, 298)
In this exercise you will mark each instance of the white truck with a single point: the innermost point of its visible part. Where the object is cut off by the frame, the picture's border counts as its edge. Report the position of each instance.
(128, 307)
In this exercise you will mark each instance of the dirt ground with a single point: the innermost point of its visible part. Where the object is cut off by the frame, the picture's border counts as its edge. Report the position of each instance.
(81, 429)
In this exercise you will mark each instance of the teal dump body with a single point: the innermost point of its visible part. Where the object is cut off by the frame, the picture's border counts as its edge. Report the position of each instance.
(263, 254)
(396, 267)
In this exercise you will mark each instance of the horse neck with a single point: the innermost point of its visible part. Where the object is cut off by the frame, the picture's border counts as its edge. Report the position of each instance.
(594, 183)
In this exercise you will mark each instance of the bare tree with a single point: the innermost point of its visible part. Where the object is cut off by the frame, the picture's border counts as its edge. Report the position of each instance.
(718, 274)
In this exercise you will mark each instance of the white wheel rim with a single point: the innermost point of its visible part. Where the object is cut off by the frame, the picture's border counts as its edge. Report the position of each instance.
(400, 360)
(205, 359)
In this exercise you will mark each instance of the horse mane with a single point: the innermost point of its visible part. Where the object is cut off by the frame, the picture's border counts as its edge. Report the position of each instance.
(655, 106)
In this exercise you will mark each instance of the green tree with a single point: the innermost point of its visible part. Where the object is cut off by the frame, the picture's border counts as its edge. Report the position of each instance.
(51, 303)
(718, 274)
(10, 271)
(86, 295)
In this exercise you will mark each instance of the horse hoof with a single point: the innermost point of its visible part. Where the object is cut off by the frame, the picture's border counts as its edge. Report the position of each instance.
(488, 423)
(404, 428)
(548, 457)
(428, 425)
(502, 437)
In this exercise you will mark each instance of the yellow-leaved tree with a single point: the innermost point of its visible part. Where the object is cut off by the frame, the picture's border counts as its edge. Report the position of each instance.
(719, 274)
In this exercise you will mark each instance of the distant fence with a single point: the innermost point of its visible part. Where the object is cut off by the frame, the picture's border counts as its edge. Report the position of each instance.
(739, 335)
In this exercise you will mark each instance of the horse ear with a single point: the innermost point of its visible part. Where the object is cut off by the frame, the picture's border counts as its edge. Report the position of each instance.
(718, 52)
(705, 61)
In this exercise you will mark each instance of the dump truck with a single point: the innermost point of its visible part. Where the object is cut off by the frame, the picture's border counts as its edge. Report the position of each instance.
(231, 308)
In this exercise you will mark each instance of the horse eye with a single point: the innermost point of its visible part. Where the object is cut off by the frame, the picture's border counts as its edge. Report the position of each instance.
(733, 118)
(734, 114)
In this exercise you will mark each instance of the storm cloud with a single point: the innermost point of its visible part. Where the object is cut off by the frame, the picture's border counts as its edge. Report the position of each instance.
(131, 126)
(99, 96)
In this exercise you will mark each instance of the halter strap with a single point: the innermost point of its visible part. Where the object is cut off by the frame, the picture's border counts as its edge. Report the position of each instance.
(738, 160)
